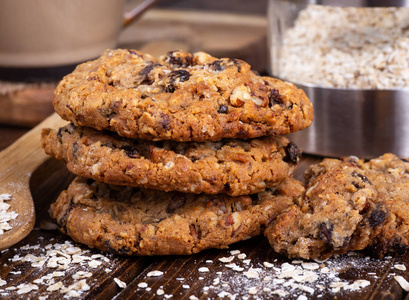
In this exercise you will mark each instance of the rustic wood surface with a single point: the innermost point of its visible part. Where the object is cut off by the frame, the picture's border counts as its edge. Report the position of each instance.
(181, 277)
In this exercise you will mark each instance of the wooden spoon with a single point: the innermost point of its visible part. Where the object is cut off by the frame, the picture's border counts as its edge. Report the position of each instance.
(17, 163)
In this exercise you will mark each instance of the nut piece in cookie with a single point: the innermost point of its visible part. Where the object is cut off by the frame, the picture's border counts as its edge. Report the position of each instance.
(340, 211)
(180, 96)
(134, 221)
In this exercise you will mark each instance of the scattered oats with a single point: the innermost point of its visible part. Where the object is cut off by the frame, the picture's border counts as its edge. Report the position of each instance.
(402, 282)
(167, 296)
(280, 293)
(400, 267)
(235, 267)
(306, 288)
(81, 274)
(203, 269)
(310, 266)
(55, 287)
(160, 292)
(186, 286)
(242, 256)
(180, 278)
(325, 270)
(2, 282)
(120, 283)
(234, 252)
(192, 297)
(107, 270)
(226, 259)
(268, 265)
(252, 273)
(357, 284)
(302, 297)
(201, 278)
(25, 288)
(154, 273)
(216, 281)
(94, 263)
(148, 289)
(252, 290)
(15, 272)
(142, 285)
(266, 290)
(219, 273)
(297, 262)
(247, 261)
(209, 261)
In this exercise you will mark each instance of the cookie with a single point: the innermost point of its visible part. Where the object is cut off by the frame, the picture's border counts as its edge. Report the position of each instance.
(341, 210)
(136, 221)
(180, 96)
(235, 167)
(390, 176)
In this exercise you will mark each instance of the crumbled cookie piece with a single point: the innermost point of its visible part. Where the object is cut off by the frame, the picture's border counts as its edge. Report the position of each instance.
(341, 210)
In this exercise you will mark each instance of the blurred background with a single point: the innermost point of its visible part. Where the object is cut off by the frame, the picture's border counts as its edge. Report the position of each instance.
(235, 29)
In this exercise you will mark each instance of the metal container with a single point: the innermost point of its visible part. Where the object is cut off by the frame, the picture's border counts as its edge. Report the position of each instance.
(365, 122)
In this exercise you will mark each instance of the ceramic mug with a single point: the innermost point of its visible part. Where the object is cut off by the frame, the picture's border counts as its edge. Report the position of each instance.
(51, 33)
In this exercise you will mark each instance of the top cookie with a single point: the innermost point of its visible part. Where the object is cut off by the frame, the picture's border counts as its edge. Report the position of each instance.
(180, 96)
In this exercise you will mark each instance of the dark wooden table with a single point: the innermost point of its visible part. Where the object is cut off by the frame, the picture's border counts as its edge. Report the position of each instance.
(46, 265)
(206, 275)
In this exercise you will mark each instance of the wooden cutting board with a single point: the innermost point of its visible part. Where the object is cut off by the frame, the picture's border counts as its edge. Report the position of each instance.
(158, 31)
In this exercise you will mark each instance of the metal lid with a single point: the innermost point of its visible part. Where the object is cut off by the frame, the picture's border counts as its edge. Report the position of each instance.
(357, 3)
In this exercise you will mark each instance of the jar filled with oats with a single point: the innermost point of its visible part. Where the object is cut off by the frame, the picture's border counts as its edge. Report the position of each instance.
(352, 59)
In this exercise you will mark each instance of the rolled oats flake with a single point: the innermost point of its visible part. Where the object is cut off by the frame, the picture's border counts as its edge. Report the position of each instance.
(120, 283)
(402, 282)
(154, 273)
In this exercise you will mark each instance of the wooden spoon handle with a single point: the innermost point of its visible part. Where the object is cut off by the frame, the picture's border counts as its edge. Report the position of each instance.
(17, 163)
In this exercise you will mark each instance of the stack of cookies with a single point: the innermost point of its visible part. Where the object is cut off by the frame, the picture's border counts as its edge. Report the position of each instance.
(173, 155)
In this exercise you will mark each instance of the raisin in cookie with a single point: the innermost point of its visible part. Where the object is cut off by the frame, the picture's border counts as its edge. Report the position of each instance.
(135, 221)
(180, 96)
(235, 167)
(340, 211)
